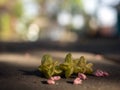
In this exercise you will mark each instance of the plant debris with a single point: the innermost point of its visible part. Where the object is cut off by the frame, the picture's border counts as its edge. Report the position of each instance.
(53, 70)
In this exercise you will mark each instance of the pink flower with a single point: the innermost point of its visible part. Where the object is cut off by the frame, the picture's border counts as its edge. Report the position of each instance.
(55, 78)
(100, 73)
(82, 76)
(77, 81)
(50, 81)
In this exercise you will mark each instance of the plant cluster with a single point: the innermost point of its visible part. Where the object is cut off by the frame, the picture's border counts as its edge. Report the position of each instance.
(50, 67)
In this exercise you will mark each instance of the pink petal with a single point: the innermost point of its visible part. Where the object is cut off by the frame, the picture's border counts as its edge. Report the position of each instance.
(77, 81)
(49, 81)
(57, 77)
(82, 76)
(100, 73)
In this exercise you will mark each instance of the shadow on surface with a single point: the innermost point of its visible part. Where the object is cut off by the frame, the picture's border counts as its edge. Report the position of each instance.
(101, 46)
(27, 77)
(113, 70)
(35, 73)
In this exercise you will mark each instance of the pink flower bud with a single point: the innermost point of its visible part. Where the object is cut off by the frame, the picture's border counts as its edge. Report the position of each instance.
(57, 77)
(100, 73)
(49, 81)
(82, 76)
(77, 81)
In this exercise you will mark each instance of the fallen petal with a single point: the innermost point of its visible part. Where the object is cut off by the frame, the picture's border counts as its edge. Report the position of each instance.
(49, 81)
(77, 81)
(57, 77)
(82, 76)
(100, 73)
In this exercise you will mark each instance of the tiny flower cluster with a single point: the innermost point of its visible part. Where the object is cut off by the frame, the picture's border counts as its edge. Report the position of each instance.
(53, 79)
(76, 81)
(70, 66)
(80, 78)
(100, 73)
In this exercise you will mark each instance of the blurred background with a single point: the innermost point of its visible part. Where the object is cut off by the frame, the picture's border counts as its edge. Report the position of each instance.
(60, 22)
(31, 28)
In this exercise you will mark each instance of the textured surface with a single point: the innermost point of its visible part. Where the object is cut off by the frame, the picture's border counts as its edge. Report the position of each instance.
(18, 72)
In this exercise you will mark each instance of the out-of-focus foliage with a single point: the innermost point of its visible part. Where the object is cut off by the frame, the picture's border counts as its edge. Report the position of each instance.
(10, 12)
(18, 9)
(51, 19)
(5, 25)
(2, 2)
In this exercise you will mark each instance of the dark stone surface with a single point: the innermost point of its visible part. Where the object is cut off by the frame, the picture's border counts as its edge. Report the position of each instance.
(25, 77)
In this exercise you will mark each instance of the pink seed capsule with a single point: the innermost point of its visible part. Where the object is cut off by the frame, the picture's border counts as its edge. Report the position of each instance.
(49, 81)
(100, 73)
(57, 77)
(82, 76)
(77, 81)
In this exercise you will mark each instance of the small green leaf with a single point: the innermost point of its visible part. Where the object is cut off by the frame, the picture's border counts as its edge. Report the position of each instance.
(68, 58)
(82, 60)
(89, 69)
(46, 59)
(68, 72)
(75, 61)
(77, 69)
(64, 66)
(57, 70)
(89, 65)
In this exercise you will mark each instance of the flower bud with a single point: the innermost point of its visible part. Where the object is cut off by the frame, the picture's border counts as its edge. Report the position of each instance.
(82, 76)
(49, 81)
(57, 77)
(77, 81)
(100, 73)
